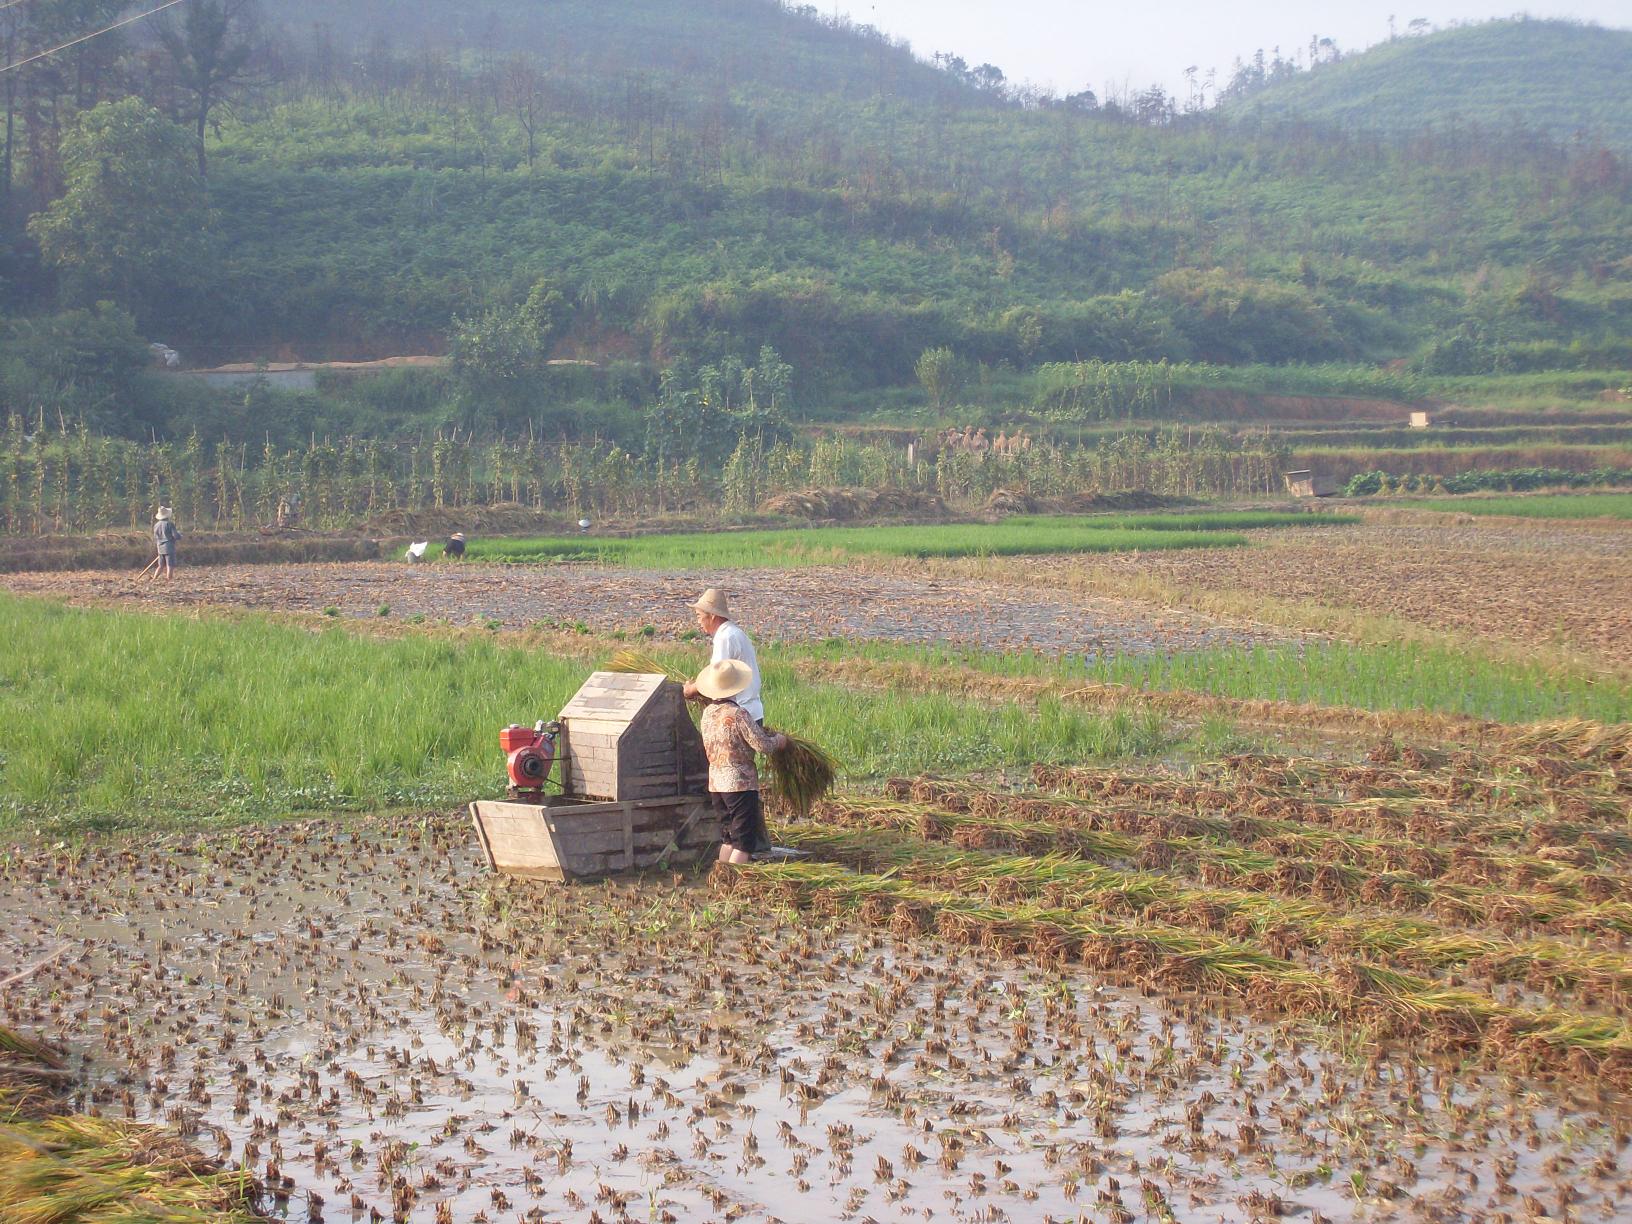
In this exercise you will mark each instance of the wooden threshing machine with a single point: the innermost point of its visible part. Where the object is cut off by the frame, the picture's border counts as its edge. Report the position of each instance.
(633, 779)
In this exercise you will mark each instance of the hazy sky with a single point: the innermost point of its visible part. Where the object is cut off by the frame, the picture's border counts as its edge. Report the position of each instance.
(1067, 44)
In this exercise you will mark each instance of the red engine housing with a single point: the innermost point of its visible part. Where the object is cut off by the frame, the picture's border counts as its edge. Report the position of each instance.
(529, 755)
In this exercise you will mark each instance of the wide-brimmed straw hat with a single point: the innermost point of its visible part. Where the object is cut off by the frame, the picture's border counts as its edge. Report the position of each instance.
(164, 513)
(724, 679)
(713, 602)
(458, 535)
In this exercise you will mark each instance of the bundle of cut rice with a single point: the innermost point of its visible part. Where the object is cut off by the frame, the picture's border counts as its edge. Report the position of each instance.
(801, 774)
(642, 665)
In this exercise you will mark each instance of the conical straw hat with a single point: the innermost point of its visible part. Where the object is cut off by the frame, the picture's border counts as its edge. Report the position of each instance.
(713, 602)
(724, 679)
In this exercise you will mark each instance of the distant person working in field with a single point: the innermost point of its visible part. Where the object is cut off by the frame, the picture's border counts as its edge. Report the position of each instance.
(730, 642)
(455, 547)
(731, 736)
(165, 535)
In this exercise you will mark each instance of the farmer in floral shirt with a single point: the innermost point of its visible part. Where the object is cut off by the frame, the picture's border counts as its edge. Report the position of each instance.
(730, 738)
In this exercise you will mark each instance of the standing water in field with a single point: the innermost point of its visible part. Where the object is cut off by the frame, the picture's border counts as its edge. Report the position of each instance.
(370, 1022)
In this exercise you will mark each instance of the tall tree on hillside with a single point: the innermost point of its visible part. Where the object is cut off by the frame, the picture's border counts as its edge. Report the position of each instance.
(43, 97)
(129, 225)
(211, 46)
(522, 87)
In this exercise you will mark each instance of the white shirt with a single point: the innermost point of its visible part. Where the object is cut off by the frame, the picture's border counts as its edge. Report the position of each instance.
(730, 642)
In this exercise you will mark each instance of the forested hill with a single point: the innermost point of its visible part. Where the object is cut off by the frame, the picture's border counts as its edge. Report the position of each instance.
(686, 181)
(1562, 78)
(718, 45)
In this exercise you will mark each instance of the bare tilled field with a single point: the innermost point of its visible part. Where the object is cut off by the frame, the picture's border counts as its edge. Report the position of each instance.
(797, 604)
(1542, 583)
(922, 1026)
(1549, 583)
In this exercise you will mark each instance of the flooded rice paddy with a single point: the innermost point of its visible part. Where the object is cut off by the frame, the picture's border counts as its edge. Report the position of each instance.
(382, 1030)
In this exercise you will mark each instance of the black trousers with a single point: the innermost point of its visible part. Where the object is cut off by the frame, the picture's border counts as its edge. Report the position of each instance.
(742, 820)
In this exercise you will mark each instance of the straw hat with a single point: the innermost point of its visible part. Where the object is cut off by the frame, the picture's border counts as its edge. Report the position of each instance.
(713, 602)
(164, 513)
(724, 679)
(458, 535)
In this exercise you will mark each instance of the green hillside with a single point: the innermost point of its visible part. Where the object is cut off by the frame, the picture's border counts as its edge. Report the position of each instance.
(1559, 78)
(682, 185)
(719, 45)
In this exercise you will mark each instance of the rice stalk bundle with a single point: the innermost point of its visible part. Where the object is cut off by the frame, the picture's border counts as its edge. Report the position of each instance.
(93, 1170)
(632, 661)
(15, 1043)
(802, 773)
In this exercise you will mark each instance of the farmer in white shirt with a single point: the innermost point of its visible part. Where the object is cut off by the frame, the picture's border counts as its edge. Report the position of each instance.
(730, 642)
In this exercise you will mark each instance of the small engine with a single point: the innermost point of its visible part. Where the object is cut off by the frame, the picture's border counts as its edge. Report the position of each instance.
(530, 754)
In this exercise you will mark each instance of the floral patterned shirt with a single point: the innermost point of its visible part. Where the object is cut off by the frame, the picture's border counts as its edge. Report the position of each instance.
(730, 738)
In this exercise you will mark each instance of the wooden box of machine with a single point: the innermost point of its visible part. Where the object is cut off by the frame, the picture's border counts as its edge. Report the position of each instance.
(634, 789)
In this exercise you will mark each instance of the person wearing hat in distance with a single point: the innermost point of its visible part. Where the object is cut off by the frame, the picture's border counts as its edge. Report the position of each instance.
(731, 736)
(165, 535)
(730, 642)
(455, 547)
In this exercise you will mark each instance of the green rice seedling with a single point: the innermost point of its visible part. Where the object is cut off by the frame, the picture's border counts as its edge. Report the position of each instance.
(1021, 536)
(1338, 676)
(259, 727)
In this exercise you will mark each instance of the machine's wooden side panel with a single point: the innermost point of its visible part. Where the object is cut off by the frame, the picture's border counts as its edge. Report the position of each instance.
(581, 841)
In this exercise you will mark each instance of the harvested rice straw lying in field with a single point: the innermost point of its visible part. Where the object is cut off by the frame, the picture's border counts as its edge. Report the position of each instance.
(1385, 1002)
(1229, 866)
(1577, 738)
(1286, 927)
(74, 1168)
(1140, 811)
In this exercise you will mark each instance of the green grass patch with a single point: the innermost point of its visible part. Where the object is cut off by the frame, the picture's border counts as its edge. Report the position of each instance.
(1019, 536)
(114, 719)
(1553, 506)
(1398, 676)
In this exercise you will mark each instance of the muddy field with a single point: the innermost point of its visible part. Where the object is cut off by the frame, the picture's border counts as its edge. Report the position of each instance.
(792, 605)
(1543, 583)
(381, 1030)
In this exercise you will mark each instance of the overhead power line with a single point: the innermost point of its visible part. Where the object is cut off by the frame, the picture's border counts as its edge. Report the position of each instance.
(74, 42)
